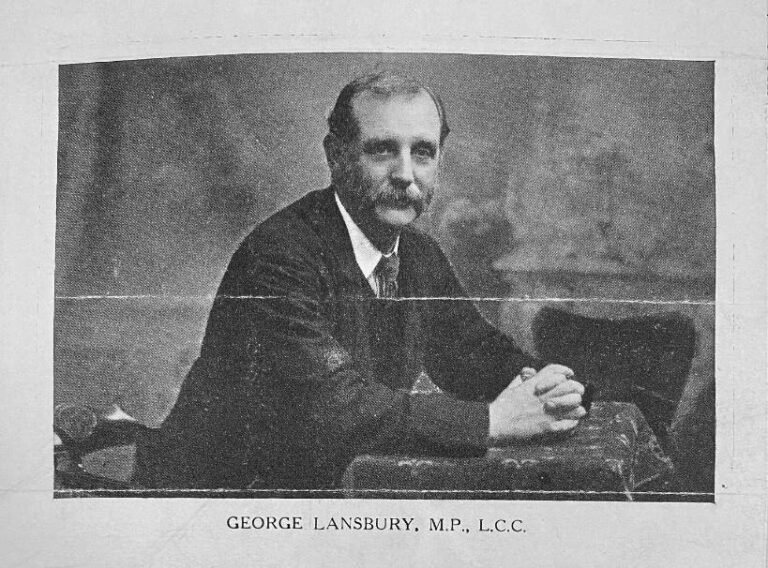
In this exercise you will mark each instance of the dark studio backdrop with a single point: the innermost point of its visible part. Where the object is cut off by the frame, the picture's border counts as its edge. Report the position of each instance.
(563, 180)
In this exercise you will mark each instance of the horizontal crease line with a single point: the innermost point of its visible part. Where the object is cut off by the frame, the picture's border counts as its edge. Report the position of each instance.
(492, 491)
(407, 299)
(395, 36)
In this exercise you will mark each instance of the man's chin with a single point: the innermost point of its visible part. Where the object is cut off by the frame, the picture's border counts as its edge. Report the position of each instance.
(395, 216)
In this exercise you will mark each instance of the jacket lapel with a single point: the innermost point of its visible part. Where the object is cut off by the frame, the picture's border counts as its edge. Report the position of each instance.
(323, 215)
(325, 218)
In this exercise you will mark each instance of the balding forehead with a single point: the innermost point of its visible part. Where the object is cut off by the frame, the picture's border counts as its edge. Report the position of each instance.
(415, 110)
(366, 98)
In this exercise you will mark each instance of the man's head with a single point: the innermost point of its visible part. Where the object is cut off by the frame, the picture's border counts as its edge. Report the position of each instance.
(383, 147)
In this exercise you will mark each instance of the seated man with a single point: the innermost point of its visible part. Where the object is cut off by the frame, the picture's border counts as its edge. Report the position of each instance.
(332, 308)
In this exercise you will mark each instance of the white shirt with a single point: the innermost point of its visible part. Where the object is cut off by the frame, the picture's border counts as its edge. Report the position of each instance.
(366, 253)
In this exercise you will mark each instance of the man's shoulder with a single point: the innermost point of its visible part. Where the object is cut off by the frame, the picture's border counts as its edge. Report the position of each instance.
(313, 229)
(304, 213)
(417, 242)
(296, 226)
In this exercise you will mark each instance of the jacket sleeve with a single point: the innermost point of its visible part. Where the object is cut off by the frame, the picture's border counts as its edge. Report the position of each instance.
(465, 354)
(292, 386)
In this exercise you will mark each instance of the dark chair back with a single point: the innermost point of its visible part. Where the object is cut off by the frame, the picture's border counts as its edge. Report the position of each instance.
(644, 359)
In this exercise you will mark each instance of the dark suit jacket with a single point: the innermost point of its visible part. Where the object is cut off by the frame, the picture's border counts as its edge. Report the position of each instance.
(302, 367)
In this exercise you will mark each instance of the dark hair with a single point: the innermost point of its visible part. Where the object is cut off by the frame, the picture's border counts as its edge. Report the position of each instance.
(341, 121)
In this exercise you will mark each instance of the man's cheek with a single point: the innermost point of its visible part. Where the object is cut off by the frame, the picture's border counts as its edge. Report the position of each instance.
(427, 189)
(427, 179)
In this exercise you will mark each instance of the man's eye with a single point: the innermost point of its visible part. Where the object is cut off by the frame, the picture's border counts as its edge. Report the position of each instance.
(424, 152)
(379, 150)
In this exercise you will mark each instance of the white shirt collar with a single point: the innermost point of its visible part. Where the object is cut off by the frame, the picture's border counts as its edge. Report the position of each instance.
(366, 253)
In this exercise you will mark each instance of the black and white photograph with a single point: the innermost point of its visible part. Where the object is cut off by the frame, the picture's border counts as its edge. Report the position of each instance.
(386, 275)
(340, 284)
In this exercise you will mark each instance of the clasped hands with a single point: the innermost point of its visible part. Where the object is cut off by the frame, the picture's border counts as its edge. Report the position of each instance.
(546, 404)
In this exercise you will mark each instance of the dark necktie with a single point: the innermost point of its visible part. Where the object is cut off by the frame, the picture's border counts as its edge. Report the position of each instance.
(386, 275)
(387, 326)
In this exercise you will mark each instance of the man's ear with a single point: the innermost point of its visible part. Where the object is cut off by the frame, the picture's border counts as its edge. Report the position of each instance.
(334, 150)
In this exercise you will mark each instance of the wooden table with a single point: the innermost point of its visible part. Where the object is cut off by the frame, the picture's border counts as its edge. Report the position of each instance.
(613, 455)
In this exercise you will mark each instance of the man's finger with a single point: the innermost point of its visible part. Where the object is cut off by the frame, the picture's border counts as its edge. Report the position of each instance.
(546, 380)
(527, 373)
(563, 403)
(563, 425)
(562, 369)
(566, 387)
(573, 414)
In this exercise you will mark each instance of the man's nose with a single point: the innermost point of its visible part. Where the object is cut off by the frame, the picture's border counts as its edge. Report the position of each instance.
(402, 170)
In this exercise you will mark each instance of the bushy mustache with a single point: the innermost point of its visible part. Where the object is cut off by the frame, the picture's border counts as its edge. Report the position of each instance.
(368, 195)
(386, 194)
